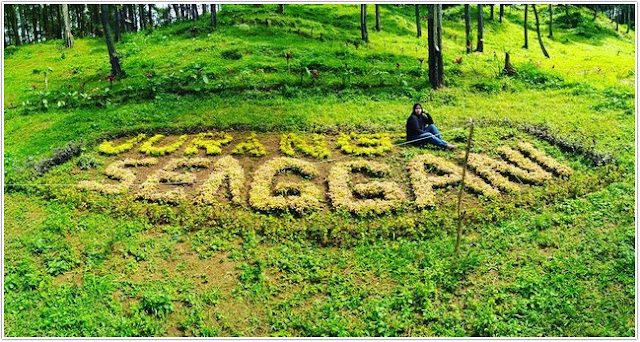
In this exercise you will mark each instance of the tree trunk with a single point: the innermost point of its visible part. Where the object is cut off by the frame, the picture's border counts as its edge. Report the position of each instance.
(467, 27)
(83, 24)
(491, 15)
(214, 16)
(34, 20)
(377, 18)
(194, 12)
(176, 9)
(132, 18)
(45, 22)
(434, 28)
(550, 21)
(58, 22)
(23, 22)
(418, 28)
(629, 9)
(117, 24)
(438, 29)
(480, 46)
(508, 68)
(143, 22)
(14, 23)
(113, 55)
(281, 8)
(363, 23)
(595, 12)
(501, 12)
(526, 22)
(68, 37)
(151, 15)
(535, 13)
(566, 10)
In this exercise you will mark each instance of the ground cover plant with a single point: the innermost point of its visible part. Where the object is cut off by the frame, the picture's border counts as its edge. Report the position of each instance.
(246, 180)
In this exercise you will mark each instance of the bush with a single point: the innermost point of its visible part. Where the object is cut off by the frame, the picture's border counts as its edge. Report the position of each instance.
(157, 304)
(233, 54)
(10, 50)
(87, 161)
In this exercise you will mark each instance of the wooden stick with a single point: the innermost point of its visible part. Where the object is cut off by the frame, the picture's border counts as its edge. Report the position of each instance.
(464, 169)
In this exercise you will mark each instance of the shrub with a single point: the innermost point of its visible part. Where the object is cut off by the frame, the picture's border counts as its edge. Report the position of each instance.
(297, 197)
(158, 304)
(251, 146)
(87, 161)
(148, 148)
(423, 184)
(233, 54)
(225, 169)
(317, 148)
(209, 141)
(117, 170)
(342, 197)
(60, 155)
(107, 147)
(365, 144)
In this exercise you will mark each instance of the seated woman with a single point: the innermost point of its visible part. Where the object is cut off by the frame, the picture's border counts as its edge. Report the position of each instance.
(420, 127)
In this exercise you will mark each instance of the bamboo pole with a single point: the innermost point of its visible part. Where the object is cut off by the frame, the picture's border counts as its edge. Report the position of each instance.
(464, 171)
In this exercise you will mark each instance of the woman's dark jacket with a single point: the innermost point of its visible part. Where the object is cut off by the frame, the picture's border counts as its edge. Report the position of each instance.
(416, 125)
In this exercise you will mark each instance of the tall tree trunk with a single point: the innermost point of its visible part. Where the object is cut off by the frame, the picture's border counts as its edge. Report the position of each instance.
(363, 23)
(59, 21)
(480, 46)
(467, 27)
(194, 12)
(526, 22)
(535, 13)
(132, 18)
(143, 23)
(83, 24)
(434, 29)
(117, 24)
(550, 21)
(629, 9)
(418, 28)
(45, 22)
(438, 29)
(113, 55)
(23, 22)
(214, 16)
(204, 9)
(566, 10)
(151, 14)
(377, 18)
(491, 11)
(595, 12)
(91, 27)
(176, 9)
(14, 23)
(501, 12)
(34, 21)
(281, 8)
(68, 37)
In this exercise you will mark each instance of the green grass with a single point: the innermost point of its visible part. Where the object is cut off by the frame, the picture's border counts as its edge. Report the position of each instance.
(561, 264)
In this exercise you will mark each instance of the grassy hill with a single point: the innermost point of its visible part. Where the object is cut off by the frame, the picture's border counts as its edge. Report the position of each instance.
(561, 266)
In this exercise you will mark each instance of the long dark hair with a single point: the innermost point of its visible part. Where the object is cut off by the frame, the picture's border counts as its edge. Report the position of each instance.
(413, 111)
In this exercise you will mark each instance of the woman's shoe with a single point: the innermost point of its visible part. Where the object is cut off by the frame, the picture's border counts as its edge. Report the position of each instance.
(452, 147)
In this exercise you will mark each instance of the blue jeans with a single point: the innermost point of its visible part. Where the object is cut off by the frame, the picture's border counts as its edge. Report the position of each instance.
(434, 137)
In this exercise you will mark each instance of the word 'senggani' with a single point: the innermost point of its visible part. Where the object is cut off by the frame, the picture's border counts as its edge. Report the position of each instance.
(300, 190)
